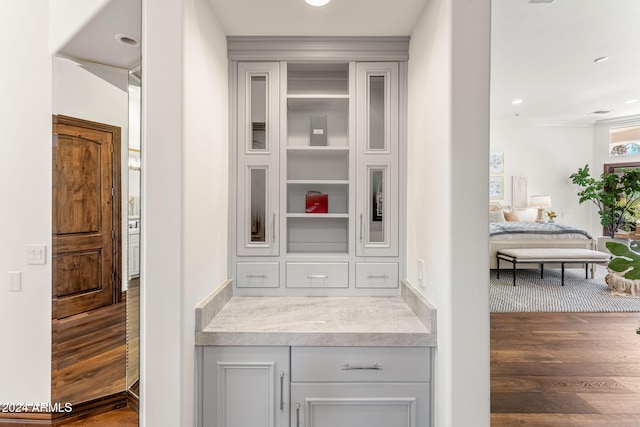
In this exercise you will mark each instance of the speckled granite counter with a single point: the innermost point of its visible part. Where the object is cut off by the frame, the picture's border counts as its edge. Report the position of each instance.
(407, 320)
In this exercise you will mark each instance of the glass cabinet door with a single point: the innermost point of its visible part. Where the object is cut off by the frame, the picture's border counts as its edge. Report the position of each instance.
(376, 217)
(377, 158)
(258, 158)
(258, 204)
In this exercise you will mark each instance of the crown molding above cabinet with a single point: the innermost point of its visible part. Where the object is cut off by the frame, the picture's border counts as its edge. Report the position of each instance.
(285, 48)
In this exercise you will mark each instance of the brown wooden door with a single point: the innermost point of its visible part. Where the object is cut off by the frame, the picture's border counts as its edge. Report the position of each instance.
(86, 216)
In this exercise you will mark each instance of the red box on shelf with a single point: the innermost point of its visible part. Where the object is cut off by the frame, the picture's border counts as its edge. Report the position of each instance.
(317, 202)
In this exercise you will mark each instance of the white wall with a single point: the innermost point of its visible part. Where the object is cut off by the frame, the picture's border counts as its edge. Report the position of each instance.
(185, 164)
(205, 175)
(448, 138)
(25, 191)
(80, 93)
(161, 278)
(547, 154)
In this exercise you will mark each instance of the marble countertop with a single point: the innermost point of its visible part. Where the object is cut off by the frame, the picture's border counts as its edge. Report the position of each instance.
(314, 321)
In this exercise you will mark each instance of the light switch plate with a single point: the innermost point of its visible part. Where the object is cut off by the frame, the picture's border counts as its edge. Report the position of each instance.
(15, 281)
(36, 254)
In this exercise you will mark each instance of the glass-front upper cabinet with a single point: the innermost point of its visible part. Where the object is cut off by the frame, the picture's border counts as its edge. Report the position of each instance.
(258, 135)
(377, 142)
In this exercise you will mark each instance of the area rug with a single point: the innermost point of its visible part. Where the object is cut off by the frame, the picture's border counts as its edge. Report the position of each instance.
(533, 294)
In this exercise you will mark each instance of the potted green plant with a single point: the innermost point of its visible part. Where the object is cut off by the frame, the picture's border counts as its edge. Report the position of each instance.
(616, 196)
(624, 270)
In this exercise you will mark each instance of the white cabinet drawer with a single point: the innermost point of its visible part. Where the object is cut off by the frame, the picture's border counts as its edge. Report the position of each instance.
(360, 364)
(376, 275)
(317, 275)
(257, 275)
(360, 404)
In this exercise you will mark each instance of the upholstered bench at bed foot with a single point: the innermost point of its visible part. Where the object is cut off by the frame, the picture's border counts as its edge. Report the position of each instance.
(543, 256)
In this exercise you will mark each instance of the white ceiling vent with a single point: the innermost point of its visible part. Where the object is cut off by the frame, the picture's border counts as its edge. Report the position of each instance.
(542, 1)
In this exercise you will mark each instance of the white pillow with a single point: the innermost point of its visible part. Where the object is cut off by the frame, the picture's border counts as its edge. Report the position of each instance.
(496, 215)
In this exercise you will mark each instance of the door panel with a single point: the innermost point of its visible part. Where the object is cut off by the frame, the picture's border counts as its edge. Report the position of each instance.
(86, 218)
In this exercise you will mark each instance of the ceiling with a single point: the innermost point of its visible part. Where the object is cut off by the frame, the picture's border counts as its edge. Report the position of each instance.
(96, 42)
(541, 53)
(338, 18)
(544, 55)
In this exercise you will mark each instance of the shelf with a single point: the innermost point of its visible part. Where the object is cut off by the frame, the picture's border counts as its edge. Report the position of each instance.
(317, 96)
(318, 78)
(317, 148)
(325, 104)
(322, 165)
(318, 215)
(317, 250)
(318, 181)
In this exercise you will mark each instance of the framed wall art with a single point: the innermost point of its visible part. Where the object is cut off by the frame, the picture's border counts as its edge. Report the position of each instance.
(496, 187)
(496, 162)
(519, 199)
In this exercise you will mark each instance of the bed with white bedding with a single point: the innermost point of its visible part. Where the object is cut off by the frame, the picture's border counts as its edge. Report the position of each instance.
(520, 234)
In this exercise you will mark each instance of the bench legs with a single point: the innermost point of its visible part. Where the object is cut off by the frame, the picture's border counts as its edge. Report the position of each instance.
(515, 264)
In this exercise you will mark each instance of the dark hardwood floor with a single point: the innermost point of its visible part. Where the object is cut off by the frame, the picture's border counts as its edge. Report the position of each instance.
(565, 369)
(89, 368)
(124, 417)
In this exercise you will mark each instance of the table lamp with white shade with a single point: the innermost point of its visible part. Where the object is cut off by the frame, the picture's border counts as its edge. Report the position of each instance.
(540, 202)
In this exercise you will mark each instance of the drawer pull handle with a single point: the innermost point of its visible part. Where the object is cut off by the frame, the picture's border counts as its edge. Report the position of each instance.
(377, 276)
(274, 228)
(317, 276)
(297, 415)
(375, 367)
(257, 276)
(281, 391)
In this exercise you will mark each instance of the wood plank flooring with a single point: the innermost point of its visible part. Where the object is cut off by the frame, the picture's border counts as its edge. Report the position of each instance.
(89, 355)
(124, 417)
(565, 369)
(89, 368)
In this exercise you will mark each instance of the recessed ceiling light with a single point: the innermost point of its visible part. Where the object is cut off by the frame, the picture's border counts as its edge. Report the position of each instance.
(630, 101)
(601, 59)
(127, 40)
(516, 101)
(602, 111)
(317, 3)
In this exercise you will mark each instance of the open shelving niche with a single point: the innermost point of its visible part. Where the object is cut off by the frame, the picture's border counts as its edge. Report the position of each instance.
(317, 90)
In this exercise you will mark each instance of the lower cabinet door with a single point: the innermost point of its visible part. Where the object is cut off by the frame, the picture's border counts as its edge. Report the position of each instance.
(360, 404)
(245, 387)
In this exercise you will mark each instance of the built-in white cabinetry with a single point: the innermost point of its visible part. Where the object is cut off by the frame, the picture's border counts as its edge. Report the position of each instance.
(317, 152)
(245, 386)
(257, 147)
(377, 142)
(316, 386)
